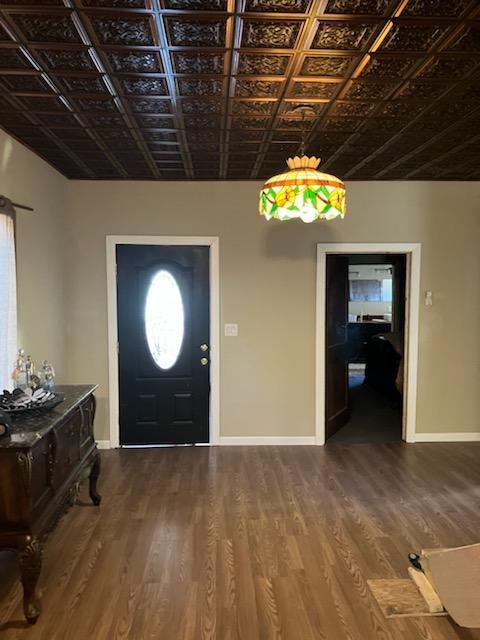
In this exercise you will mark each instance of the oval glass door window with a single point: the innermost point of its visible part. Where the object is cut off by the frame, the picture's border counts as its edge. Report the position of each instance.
(164, 319)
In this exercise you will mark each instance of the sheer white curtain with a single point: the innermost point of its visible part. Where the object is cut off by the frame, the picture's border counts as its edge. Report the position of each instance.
(8, 302)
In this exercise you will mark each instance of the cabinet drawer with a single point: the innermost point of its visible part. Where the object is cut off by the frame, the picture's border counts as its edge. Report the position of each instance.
(67, 448)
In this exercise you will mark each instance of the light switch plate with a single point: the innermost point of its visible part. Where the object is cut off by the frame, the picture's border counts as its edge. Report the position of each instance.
(231, 330)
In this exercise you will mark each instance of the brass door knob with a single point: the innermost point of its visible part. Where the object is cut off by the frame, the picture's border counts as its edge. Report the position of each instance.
(204, 361)
(204, 347)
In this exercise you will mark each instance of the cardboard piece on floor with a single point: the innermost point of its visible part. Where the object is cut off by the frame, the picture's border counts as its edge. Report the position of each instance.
(455, 576)
(400, 598)
(428, 593)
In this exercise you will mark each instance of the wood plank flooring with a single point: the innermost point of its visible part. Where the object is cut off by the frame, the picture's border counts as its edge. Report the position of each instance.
(251, 543)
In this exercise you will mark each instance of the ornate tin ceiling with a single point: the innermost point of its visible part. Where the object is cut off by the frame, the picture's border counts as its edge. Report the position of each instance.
(190, 89)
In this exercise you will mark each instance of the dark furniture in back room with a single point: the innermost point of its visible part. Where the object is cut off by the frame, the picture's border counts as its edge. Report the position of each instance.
(359, 333)
(42, 462)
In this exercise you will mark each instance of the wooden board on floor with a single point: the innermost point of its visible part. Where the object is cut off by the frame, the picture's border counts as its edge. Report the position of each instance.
(400, 597)
(455, 575)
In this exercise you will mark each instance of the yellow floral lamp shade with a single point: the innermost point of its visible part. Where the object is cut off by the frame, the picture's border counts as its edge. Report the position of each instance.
(303, 192)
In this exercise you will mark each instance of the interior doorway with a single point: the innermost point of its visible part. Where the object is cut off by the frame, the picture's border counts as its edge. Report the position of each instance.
(367, 326)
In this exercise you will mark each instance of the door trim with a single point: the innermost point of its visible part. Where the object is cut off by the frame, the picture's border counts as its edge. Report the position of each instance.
(113, 395)
(413, 253)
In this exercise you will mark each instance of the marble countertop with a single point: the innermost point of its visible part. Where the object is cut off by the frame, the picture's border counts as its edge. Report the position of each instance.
(28, 428)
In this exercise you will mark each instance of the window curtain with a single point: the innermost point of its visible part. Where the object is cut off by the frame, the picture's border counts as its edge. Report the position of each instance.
(8, 302)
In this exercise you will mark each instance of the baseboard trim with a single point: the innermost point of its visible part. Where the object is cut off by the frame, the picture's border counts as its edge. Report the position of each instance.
(448, 437)
(103, 444)
(266, 440)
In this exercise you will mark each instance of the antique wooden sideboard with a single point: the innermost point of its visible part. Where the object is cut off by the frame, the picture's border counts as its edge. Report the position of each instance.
(42, 463)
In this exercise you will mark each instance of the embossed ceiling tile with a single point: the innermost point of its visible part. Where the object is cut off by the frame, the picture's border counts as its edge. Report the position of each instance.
(95, 104)
(403, 109)
(43, 104)
(123, 29)
(262, 65)
(25, 83)
(257, 88)
(46, 3)
(199, 87)
(144, 86)
(246, 135)
(282, 6)
(384, 125)
(203, 146)
(342, 35)
(326, 65)
(201, 106)
(291, 106)
(204, 5)
(13, 59)
(134, 61)
(257, 122)
(449, 67)
(364, 7)
(253, 106)
(83, 145)
(441, 8)
(106, 120)
(296, 124)
(121, 144)
(198, 62)
(46, 28)
(67, 59)
(360, 90)
(278, 34)
(352, 109)
(315, 89)
(412, 37)
(159, 136)
(119, 4)
(82, 84)
(155, 122)
(58, 120)
(202, 136)
(114, 133)
(202, 122)
(72, 134)
(385, 67)
(196, 33)
(4, 37)
(468, 40)
(286, 136)
(342, 124)
(149, 106)
(422, 90)
(12, 118)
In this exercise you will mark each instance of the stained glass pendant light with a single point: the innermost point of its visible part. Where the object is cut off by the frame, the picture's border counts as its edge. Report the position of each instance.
(303, 191)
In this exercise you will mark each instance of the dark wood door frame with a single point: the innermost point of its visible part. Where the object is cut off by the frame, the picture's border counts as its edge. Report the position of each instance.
(413, 253)
(113, 386)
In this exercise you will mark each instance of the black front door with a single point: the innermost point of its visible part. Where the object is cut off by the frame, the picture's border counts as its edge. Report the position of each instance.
(164, 351)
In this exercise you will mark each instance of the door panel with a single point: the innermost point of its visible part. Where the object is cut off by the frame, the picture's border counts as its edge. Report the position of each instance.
(163, 319)
(336, 374)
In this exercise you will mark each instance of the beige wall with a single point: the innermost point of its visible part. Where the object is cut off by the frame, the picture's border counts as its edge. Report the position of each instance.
(268, 288)
(27, 179)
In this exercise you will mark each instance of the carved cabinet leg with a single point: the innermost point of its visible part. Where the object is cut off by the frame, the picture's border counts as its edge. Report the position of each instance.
(94, 473)
(30, 561)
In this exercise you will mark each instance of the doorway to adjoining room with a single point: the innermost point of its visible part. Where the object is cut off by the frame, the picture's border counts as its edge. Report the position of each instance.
(365, 337)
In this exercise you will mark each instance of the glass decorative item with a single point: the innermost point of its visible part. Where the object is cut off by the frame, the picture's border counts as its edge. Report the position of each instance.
(303, 192)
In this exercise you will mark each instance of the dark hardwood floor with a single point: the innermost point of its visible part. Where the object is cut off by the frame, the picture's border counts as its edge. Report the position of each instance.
(251, 543)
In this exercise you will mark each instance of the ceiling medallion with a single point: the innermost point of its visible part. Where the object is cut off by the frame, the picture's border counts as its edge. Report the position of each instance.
(303, 191)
